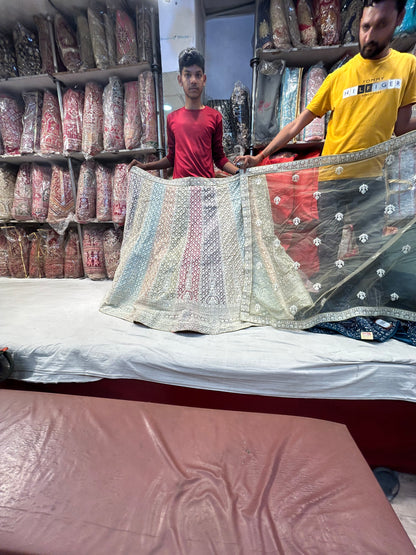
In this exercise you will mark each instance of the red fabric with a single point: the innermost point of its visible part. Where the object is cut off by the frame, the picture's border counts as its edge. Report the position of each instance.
(120, 187)
(37, 252)
(54, 254)
(93, 249)
(291, 195)
(280, 189)
(4, 255)
(195, 142)
(72, 256)
(305, 202)
(41, 189)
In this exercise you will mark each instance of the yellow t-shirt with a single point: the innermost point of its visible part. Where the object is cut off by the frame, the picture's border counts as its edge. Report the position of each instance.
(364, 97)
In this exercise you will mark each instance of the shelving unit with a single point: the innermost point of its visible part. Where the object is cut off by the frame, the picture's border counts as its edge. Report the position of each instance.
(59, 81)
(305, 57)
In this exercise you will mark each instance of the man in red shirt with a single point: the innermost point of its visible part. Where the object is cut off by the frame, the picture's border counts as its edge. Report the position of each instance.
(194, 131)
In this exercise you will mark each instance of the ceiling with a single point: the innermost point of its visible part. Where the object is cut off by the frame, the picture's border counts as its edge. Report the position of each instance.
(215, 8)
(12, 11)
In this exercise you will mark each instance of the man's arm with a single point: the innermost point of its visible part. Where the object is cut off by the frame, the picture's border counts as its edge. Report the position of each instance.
(404, 122)
(281, 139)
(230, 168)
(162, 164)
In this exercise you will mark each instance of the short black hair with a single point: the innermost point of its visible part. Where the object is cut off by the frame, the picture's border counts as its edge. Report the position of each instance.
(400, 4)
(190, 57)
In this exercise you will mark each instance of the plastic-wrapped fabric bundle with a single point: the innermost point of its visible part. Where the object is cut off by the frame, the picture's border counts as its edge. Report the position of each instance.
(45, 43)
(113, 122)
(73, 108)
(86, 193)
(343, 60)
(144, 33)
(67, 43)
(327, 16)
(93, 250)
(41, 190)
(22, 201)
(32, 121)
(147, 103)
(1, 146)
(54, 253)
(98, 38)
(126, 42)
(61, 201)
(36, 256)
(264, 33)
(110, 37)
(11, 125)
(7, 184)
(4, 255)
(27, 51)
(18, 251)
(269, 80)
(119, 199)
(72, 256)
(51, 141)
(350, 20)
(228, 133)
(408, 25)
(290, 95)
(307, 29)
(240, 104)
(279, 27)
(84, 41)
(132, 124)
(312, 80)
(104, 180)
(92, 120)
(112, 239)
(8, 64)
(292, 23)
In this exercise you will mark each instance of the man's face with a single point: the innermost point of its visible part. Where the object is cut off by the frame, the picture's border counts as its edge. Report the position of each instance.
(192, 79)
(377, 27)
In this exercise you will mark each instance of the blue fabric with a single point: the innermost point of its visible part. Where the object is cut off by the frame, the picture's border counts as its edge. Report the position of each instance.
(354, 327)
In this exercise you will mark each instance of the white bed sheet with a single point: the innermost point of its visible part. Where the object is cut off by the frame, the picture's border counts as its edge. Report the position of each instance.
(57, 334)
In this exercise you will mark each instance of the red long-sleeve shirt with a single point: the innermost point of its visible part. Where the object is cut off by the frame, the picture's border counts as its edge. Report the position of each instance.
(195, 142)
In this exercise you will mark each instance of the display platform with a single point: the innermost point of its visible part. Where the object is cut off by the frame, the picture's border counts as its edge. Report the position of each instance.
(62, 342)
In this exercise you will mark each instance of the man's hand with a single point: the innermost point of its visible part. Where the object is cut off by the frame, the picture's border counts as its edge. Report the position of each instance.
(248, 161)
(136, 163)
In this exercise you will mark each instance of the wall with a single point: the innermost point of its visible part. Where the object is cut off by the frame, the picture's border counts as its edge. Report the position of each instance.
(228, 49)
(226, 42)
(181, 24)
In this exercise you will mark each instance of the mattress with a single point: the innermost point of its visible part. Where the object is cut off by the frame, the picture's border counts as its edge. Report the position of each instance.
(106, 476)
(57, 334)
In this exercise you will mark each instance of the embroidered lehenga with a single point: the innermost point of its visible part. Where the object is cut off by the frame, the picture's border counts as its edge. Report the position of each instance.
(217, 255)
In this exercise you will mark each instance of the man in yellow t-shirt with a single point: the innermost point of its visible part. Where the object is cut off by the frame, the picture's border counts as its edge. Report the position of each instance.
(369, 98)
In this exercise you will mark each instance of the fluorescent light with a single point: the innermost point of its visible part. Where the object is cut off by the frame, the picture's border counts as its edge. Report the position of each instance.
(167, 107)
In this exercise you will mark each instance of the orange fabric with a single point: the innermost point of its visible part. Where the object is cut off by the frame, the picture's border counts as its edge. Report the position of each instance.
(292, 197)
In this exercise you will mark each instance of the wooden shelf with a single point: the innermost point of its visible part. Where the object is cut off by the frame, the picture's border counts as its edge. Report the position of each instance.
(17, 85)
(120, 155)
(124, 72)
(306, 57)
(35, 157)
